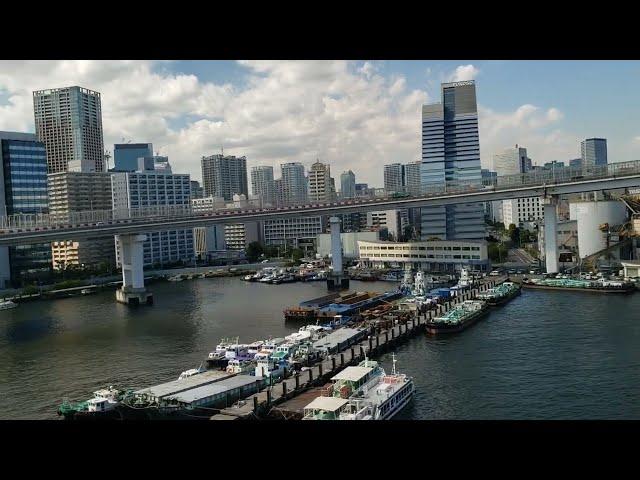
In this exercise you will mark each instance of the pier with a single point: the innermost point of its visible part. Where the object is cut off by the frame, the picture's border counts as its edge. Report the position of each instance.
(286, 398)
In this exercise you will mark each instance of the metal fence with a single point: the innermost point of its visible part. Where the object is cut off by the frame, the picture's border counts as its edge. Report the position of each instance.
(536, 178)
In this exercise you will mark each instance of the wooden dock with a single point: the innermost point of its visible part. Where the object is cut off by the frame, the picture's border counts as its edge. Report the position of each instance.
(287, 398)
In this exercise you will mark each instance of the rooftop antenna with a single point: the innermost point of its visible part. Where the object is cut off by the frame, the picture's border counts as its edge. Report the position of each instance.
(222, 150)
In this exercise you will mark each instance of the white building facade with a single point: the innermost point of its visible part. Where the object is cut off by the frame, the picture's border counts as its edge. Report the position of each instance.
(430, 256)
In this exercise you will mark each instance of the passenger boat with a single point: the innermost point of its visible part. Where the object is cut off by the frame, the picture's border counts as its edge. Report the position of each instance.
(102, 405)
(500, 294)
(354, 396)
(458, 318)
(7, 304)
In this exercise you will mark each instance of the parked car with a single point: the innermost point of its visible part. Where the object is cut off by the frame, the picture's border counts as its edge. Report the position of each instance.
(494, 273)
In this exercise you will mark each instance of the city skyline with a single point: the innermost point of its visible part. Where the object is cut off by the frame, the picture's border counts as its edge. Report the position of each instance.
(354, 116)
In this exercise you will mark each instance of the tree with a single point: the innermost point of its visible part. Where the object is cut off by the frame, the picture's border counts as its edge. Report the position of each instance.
(297, 254)
(254, 250)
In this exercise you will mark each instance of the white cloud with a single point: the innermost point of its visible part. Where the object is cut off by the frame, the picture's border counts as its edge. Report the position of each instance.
(344, 113)
(462, 73)
(528, 126)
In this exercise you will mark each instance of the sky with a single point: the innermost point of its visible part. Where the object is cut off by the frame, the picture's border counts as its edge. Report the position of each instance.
(357, 115)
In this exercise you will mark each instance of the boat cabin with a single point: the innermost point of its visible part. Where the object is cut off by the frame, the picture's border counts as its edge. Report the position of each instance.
(352, 379)
(325, 408)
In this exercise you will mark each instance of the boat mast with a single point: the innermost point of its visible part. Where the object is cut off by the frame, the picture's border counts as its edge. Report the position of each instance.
(393, 356)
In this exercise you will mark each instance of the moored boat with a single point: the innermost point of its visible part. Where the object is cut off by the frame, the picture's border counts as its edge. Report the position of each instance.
(458, 318)
(500, 294)
(365, 392)
(7, 304)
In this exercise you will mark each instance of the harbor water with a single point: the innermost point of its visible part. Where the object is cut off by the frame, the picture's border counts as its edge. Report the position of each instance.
(545, 355)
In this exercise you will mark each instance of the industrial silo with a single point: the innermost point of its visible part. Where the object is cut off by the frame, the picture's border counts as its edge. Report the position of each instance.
(590, 216)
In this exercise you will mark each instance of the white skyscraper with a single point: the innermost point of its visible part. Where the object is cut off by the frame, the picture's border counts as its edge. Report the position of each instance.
(69, 123)
(511, 161)
(321, 187)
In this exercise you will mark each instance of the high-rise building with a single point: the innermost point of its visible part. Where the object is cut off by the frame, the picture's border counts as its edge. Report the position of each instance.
(126, 155)
(347, 184)
(362, 189)
(196, 190)
(594, 151)
(224, 176)
(80, 192)
(576, 163)
(451, 153)
(263, 184)
(393, 221)
(69, 123)
(511, 161)
(294, 183)
(321, 186)
(411, 178)
(393, 177)
(148, 189)
(23, 189)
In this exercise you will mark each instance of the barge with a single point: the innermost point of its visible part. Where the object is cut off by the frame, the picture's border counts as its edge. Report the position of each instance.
(459, 318)
(599, 286)
(500, 294)
(324, 309)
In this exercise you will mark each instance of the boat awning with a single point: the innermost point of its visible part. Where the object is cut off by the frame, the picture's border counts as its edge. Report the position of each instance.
(328, 404)
(352, 374)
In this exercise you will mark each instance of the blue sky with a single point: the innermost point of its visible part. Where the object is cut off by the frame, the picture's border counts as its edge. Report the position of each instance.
(354, 115)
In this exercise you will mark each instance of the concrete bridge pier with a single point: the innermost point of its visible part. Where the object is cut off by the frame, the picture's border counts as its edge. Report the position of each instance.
(132, 291)
(551, 233)
(337, 279)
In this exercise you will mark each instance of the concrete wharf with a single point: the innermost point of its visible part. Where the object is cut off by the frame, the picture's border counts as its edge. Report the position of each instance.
(283, 399)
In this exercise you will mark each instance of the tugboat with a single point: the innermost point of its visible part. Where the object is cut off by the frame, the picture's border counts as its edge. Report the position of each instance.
(101, 406)
(459, 318)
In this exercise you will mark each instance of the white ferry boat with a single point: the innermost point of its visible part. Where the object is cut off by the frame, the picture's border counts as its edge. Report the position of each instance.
(374, 395)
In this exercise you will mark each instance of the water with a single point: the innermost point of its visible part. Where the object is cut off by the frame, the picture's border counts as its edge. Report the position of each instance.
(545, 355)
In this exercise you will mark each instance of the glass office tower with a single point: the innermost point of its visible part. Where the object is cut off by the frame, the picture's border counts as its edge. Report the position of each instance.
(24, 190)
(451, 154)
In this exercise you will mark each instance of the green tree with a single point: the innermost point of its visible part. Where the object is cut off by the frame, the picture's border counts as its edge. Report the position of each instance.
(254, 250)
(297, 254)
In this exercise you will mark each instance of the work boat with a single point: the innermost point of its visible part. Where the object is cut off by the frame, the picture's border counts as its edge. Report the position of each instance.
(379, 398)
(218, 358)
(102, 405)
(191, 372)
(239, 366)
(6, 305)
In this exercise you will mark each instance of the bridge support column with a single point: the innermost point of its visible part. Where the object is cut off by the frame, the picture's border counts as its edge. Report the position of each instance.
(132, 291)
(551, 234)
